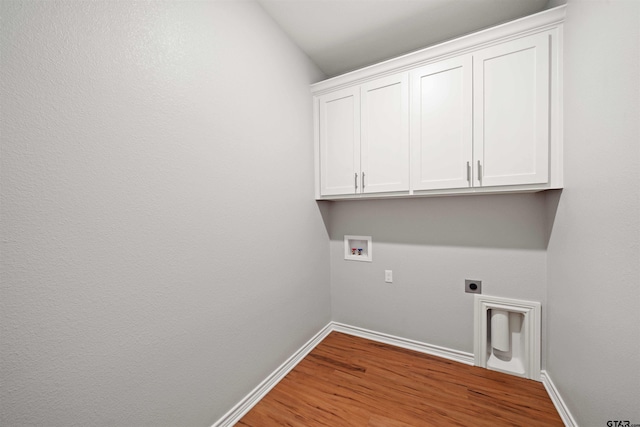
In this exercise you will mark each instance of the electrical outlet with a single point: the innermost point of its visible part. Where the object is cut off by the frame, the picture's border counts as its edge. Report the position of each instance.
(388, 276)
(473, 286)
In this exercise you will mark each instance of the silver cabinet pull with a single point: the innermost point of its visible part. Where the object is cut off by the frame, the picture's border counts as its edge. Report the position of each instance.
(479, 171)
(468, 171)
(363, 180)
(355, 181)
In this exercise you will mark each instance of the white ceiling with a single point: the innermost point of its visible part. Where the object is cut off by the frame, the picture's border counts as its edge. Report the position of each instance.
(343, 35)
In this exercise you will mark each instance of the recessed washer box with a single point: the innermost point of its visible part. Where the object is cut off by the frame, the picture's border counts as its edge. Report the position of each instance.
(358, 248)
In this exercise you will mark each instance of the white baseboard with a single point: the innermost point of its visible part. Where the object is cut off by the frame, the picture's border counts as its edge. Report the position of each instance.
(251, 399)
(555, 397)
(434, 350)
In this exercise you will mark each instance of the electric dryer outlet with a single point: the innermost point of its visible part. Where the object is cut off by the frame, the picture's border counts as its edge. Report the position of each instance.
(473, 286)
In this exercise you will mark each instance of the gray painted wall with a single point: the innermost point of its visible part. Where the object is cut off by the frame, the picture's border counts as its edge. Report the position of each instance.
(150, 220)
(593, 255)
(432, 245)
(161, 251)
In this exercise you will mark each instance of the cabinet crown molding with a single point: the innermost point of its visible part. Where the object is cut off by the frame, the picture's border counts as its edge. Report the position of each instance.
(531, 24)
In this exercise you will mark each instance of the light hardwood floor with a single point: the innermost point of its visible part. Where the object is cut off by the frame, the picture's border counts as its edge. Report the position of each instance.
(351, 381)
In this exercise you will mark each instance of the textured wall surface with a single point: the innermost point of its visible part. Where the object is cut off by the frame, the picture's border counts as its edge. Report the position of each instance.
(594, 251)
(161, 254)
(432, 245)
(161, 251)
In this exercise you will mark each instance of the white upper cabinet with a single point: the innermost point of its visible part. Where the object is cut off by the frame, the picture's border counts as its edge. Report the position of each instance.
(478, 114)
(482, 119)
(511, 112)
(441, 119)
(384, 150)
(339, 126)
(364, 138)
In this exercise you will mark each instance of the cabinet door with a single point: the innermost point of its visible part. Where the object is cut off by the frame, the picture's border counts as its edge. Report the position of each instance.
(441, 120)
(385, 134)
(511, 112)
(339, 141)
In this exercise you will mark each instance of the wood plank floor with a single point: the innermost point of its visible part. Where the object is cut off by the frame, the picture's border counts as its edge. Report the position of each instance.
(350, 381)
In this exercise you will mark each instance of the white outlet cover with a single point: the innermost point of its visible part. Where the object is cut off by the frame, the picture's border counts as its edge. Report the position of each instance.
(388, 276)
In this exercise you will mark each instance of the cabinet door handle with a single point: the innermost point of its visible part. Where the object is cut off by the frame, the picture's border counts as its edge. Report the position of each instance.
(362, 180)
(355, 181)
(479, 171)
(468, 171)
